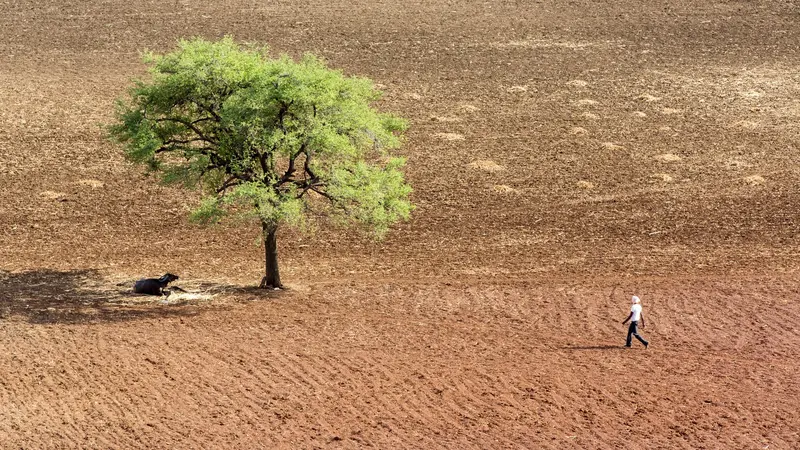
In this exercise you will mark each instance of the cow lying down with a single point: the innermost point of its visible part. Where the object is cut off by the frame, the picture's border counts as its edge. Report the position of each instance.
(156, 286)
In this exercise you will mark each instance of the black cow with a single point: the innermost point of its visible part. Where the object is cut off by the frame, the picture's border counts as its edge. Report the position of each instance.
(155, 286)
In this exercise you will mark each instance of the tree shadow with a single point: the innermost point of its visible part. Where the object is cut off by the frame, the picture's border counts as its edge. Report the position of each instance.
(596, 347)
(85, 297)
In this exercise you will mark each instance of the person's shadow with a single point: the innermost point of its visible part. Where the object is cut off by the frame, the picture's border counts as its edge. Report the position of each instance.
(596, 347)
(77, 296)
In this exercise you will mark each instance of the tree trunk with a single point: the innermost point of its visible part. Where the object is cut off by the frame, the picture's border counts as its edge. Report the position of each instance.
(272, 278)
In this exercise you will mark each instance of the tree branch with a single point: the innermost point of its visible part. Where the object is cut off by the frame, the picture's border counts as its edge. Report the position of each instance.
(203, 119)
(262, 158)
(182, 141)
(232, 181)
(287, 176)
(209, 110)
(289, 172)
(281, 113)
(174, 145)
(307, 167)
(315, 188)
(191, 126)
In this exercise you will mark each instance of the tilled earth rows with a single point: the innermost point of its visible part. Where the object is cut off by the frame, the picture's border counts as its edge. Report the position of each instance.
(442, 364)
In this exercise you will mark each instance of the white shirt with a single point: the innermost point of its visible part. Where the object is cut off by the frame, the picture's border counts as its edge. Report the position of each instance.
(637, 312)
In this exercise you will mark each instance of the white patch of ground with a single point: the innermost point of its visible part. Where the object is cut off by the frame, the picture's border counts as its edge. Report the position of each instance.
(588, 115)
(747, 124)
(94, 184)
(53, 195)
(754, 180)
(668, 158)
(486, 165)
(611, 146)
(751, 94)
(177, 297)
(504, 189)
(450, 136)
(577, 83)
(542, 43)
(517, 89)
(666, 178)
(583, 184)
(648, 98)
(639, 114)
(579, 131)
(446, 119)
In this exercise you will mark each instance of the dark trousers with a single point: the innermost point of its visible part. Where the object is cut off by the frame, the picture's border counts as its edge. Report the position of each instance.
(633, 331)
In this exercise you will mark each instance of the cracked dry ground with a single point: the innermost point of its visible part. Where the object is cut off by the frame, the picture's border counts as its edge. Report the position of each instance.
(564, 156)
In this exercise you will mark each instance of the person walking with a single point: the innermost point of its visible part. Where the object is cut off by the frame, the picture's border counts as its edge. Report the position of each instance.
(635, 316)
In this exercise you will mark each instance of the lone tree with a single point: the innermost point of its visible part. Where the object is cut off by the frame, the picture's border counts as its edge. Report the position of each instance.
(271, 139)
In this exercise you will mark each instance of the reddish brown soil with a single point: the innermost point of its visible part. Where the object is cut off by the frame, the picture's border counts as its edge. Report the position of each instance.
(564, 156)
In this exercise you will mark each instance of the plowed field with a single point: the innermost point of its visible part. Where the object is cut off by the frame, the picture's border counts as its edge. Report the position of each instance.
(564, 156)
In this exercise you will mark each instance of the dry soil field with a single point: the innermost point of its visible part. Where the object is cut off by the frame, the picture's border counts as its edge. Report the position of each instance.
(564, 155)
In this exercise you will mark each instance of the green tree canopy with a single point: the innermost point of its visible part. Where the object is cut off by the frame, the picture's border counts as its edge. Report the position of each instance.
(271, 139)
